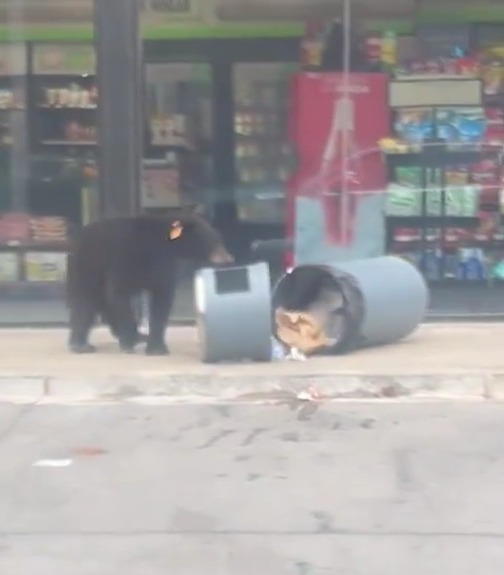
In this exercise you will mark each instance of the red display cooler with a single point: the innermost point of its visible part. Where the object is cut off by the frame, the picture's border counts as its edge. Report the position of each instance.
(335, 125)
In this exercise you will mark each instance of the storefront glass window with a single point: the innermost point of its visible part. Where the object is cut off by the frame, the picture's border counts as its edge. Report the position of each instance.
(48, 143)
(179, 139)
(178, 161)
(445, 166)
(263, 158)
(404, 156)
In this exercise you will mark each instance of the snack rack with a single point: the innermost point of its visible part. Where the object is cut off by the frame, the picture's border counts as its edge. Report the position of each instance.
(32, 255)
(453, 232)
(60, 101)
(262, 154)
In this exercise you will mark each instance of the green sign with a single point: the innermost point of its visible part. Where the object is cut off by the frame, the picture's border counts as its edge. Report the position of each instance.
(59, 59)
(181, 19)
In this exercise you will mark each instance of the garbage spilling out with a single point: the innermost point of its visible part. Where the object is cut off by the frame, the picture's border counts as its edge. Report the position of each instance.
(312, 314)
(334, 309)
(313, 309)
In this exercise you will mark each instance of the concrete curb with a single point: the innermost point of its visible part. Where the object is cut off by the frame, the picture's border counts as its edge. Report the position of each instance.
(488, 386)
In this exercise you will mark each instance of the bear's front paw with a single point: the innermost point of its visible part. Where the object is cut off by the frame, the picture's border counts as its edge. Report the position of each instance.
(157, 348)
(82, 348)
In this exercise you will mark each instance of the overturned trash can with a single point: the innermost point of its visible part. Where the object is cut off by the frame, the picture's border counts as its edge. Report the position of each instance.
(330, 309)
(233, 307)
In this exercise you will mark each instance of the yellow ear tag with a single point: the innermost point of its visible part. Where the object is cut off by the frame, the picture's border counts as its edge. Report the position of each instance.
(176, 231)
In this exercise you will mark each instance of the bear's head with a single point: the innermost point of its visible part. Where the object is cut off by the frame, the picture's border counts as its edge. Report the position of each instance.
(194, 237)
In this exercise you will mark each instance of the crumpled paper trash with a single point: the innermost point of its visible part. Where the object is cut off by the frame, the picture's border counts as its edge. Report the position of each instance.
(295, 355)
(321, 325)
(301, 331)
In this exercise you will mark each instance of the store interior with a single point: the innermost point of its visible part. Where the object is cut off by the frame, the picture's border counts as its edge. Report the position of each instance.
(217, 116)
(444, 197)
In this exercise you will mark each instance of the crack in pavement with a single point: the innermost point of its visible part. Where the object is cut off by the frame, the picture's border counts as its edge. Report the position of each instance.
(248, 533)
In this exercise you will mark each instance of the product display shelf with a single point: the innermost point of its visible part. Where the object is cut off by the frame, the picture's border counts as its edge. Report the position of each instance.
(32, 255)
(262, 163)
(179, 148)
(12, 101)
(63, 138)
(439, 256)
(440, 156)
(64, 113)
(462, 104)
(29, 269)
(176, 163)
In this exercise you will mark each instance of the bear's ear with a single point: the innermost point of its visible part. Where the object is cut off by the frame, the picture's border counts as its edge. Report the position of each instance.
(176, 230)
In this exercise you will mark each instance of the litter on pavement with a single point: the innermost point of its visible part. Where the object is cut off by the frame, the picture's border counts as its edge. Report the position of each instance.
(53, 463)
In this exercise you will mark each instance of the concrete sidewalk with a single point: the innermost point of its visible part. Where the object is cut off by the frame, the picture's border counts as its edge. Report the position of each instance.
(452, 360)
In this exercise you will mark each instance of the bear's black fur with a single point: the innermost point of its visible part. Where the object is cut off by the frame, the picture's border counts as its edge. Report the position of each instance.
(113, 260)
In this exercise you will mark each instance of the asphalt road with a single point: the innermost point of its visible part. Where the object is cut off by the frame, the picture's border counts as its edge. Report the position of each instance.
(343, 489)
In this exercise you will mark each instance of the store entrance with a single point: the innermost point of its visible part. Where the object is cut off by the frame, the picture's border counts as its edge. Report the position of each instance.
(177, 167)
(216, 135)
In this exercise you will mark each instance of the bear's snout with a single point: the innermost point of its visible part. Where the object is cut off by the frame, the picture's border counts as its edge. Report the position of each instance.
(221, 256)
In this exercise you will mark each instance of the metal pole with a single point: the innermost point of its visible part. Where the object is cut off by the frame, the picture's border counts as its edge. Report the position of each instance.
(120, 111)
(347, 33)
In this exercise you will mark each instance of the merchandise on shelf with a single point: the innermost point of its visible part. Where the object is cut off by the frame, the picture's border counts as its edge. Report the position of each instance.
(65, 111)
(488, 65)
(485, 172)
(9, 267)
(494, 120)
(454, 126)
(57, 88)
(171, 130)
(312, 44)
(404, 196)
(161, 185)
(73, 96)
(455, 66)
(415, 125)
(262, 155)
(44, 266)
(78, 132)
(466, 125)
(14, 228)
(456, 230)
(388, 49)
(465, 264)
(23, 229)
(491, 71)
(403, 200)
(497, 271)
(11, 99)
(48, 229)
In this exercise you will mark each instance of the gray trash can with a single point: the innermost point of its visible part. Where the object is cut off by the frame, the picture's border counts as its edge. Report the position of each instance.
(233, 309)
(364, 303)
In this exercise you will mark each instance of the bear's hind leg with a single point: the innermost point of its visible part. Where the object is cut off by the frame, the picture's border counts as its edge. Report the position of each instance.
(82, 317)
(161, 302)
(122, 322)
(108, 318)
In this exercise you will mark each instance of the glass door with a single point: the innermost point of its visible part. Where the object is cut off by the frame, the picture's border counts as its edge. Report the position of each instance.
(262, 150)
(179, 138)
(178, 159)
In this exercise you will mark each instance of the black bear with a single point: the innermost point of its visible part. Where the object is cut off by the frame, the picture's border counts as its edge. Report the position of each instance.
(113, 260)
